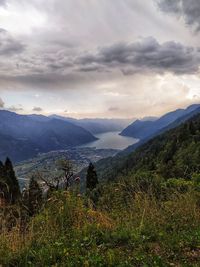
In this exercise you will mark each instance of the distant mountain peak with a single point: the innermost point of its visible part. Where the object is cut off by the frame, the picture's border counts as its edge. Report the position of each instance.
(143, 128)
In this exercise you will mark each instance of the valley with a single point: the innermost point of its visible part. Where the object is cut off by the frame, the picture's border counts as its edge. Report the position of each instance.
(134, 205)
(46, 163)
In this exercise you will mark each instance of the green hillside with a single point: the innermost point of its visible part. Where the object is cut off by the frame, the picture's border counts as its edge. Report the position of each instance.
(175, 153)
(146, 214)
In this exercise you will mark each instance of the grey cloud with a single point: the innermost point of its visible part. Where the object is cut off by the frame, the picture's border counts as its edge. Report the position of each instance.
(48, 80)
(37, 109)
(8, 45)
(91, 68)
(188, 9)
(56, 70)
(111, 109)
(1, 103)
(15, 109)
(3, 2)
(146, 55)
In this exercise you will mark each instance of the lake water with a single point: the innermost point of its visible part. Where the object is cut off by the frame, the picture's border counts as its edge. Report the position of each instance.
(111, 140)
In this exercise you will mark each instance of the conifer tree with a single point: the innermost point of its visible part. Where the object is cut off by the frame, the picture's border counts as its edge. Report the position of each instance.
(11, 181)
(34, 197)
(3, 187)
(91, 178)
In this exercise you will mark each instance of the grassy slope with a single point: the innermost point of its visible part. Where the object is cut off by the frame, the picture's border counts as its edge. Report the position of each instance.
(130, 231)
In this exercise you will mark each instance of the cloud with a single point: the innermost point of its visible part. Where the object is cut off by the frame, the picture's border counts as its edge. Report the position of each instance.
(145, 55)
(3, 2)
(83, 56)
(15, 108)
(8, 45)
(1, 103)
(189, 10)
(37, 109)
(66, 52)
(111, 109)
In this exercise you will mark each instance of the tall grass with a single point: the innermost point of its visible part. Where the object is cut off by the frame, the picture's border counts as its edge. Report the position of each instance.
(127, 228)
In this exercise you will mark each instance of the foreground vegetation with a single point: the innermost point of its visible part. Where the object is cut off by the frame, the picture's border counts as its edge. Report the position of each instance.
(127, 227)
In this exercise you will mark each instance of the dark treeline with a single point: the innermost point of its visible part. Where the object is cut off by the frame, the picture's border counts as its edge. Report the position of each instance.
(9, 186)
(34, 196)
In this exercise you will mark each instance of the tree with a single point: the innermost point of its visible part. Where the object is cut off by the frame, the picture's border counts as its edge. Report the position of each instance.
(33, 198)
(11, 181)
(4, 189)
(66, 166)
(62, 180)
(91, 178)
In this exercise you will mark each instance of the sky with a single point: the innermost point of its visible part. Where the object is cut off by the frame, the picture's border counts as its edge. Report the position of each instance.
(99, 58)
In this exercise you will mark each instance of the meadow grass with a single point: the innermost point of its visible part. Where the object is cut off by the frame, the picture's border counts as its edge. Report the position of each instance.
(125, 228)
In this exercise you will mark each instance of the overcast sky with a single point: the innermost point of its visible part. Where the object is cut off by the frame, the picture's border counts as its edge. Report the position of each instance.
(99, 58)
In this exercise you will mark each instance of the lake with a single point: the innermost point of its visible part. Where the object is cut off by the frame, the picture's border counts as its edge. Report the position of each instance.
(111, 140)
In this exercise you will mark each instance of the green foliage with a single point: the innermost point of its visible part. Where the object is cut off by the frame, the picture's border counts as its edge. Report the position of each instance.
(140, 231)
(32, 197)
(9, 186)
(179, 185)
(91, 178)
(196, 178)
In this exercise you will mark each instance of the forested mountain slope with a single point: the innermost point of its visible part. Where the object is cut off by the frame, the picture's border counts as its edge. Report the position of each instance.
(16, 149)
(175, 153)
(172, 125)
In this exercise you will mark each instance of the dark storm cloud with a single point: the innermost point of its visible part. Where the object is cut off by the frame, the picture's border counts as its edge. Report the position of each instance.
(146, 55)
(188, 9)
(37, 109)
(8, 45)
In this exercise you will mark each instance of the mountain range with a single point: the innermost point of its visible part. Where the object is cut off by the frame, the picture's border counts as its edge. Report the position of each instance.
(172, 154)
(142, 129)
(97, 126)
(172, 125)
(24, 136)
(110, 167)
